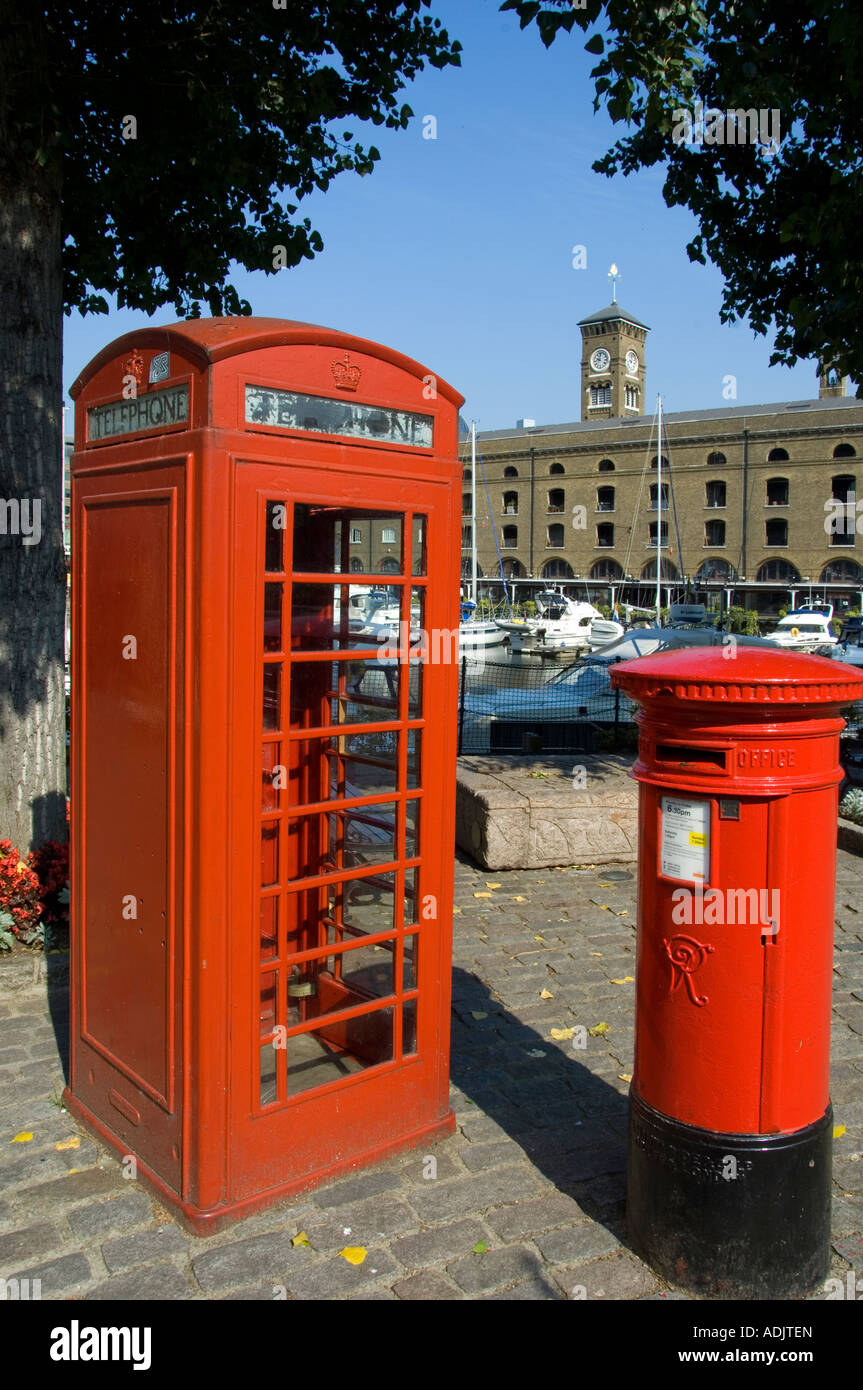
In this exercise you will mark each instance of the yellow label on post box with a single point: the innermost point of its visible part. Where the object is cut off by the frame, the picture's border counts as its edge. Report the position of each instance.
(697, 838)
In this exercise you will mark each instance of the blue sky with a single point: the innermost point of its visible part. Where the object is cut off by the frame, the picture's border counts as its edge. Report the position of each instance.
(458, 250)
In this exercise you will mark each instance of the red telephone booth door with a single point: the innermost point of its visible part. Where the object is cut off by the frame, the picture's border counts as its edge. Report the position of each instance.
(341, 926)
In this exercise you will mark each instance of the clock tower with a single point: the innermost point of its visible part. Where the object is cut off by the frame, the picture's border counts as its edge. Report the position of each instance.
(612, 364)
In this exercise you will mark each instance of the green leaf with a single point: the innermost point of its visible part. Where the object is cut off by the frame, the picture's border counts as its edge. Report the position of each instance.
(480, 1248)
(595, 44)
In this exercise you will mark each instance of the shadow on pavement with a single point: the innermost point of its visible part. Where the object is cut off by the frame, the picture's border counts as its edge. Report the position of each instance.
(570, 1123)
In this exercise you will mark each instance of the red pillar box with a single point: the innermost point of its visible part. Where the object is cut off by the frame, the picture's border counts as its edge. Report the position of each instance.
(730, 1117)
(263, 806)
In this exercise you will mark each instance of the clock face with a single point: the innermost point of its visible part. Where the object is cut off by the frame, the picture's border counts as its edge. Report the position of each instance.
(632, 361)
(600, 359)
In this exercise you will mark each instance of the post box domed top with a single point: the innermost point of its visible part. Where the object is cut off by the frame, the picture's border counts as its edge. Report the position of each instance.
(210, 340)
(739, 675)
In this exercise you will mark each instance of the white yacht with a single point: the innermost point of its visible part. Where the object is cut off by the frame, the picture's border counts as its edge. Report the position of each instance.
(561, 624)
(805, 628)
(477, 634)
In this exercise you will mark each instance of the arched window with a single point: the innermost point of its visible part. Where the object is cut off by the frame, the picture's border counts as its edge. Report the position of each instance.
(555, 536)
(606, 569)
(601, 395)
(652, 530)
(557, 569)
(714, 533)
(605, 499)
(513, 569)
(842, 572)
(390, 566)
(653, 496)
(777, 572)
(716, 460)
(777, 456)
(715, 492)
(605, 466)
(777, 492)
(556, 468)
(510, 537)
(510, 472)
(556, 499)
(356, 564)
(717, 570)
(845, 451)
(776, 532)
(843, 526)
(510, 504)
(669, 570)
(630, 396)
(605, 533)
(465, 504)
(467, 570)
(655, 461)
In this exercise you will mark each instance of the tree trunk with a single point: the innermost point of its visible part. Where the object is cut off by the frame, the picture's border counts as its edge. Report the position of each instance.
(32, 562)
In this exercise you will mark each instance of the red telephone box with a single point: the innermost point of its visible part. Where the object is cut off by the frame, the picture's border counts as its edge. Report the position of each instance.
(265, 587)
(728, 1189)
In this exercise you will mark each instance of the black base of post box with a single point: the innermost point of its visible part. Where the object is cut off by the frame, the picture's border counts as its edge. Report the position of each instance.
(732, 1215)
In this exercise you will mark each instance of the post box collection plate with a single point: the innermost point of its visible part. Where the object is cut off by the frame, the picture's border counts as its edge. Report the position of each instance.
(685, 840)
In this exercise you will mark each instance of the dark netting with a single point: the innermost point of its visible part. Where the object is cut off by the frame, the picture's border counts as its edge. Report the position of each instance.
(533, 704)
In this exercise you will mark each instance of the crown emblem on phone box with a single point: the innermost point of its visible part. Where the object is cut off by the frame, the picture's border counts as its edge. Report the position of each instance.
(347, 374)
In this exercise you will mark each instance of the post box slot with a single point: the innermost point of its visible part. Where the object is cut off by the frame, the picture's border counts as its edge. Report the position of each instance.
(680, 756)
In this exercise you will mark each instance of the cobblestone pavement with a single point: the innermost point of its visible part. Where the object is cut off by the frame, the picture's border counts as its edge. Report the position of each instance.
(527, 1198)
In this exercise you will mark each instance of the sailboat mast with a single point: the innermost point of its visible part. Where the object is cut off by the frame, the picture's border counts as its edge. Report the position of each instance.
(658, 508)
(474, 598)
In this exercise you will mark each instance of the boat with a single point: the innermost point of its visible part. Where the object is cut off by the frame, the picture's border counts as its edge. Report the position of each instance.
(581, 691)
(649, 641)
(562, 624)
(477, 634)
(805, 628)
(849, 647)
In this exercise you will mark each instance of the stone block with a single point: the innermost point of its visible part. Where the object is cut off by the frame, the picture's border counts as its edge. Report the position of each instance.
(508, 817)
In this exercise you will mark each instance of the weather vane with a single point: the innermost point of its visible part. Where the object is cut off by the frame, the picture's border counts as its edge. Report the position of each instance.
(614, 276)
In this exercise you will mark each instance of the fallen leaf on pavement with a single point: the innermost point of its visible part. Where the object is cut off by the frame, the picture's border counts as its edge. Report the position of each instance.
(354, 1254)
(627, 980)
(838, 1131)
(23, 1138)
(546, 994)
(482, 895)
(561, 1034)
(480, 1248)
(73, 1143)
(492, 885)
(300, 1239)
(477, 1014)
(599, 1030)
(624, 1076)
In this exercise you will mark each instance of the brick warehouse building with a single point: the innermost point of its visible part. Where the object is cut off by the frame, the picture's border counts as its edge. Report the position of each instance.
(576, 503)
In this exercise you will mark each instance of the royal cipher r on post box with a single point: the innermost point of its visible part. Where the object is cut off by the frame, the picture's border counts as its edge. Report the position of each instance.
(262, 802)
